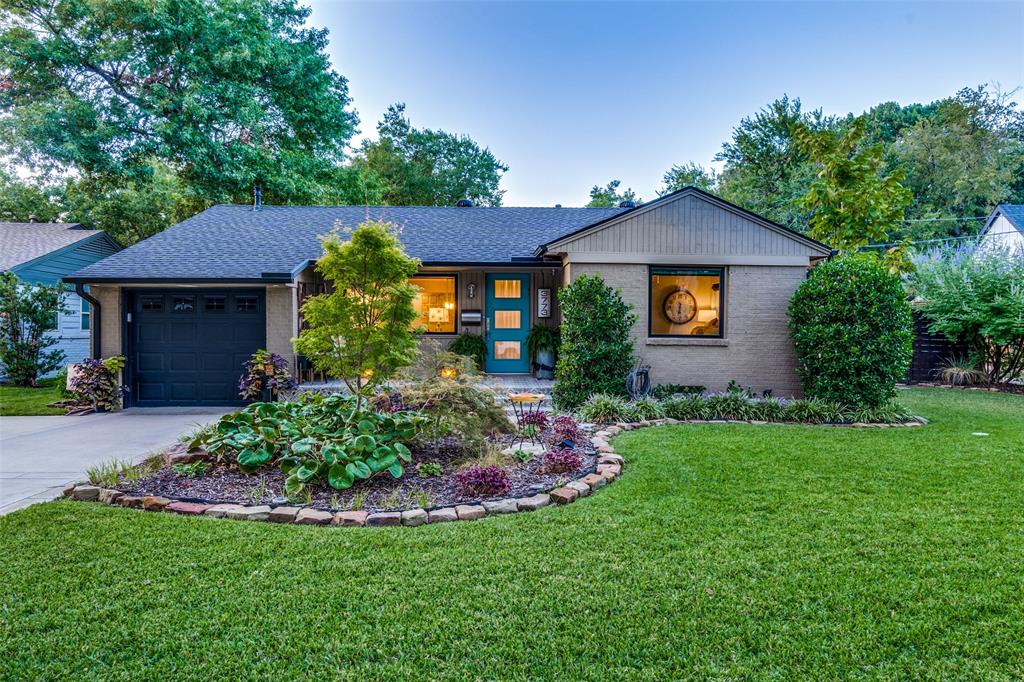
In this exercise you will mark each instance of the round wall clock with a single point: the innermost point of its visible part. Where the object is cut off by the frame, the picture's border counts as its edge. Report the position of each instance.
(680, 306)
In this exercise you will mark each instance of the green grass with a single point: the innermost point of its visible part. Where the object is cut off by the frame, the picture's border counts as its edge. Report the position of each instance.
(727, 551)
(16, 401)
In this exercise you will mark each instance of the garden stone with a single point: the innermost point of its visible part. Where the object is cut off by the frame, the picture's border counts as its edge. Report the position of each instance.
(68, 490)
(180, 454)
(470, 512)
(533, 503)
(108, 496)
(258, 513)
(313, 517)
(605, 448)
(189, 508)
(525, 447)
(384, 519)
(613, 430)
(717, 421)
(669, 421)
(507, 506)
(154, 503)
(442, 515)
(283, 514)
(536, 487)
(219, 511)
(608, 474)
(350, 518)
(757, 422)
(595, 481)
(614, 468)
(86, 493)
(564, 495)
(130, 501)
(610, 458)
(579, 486)
(414, 517)
(604, 434)
(598, 442)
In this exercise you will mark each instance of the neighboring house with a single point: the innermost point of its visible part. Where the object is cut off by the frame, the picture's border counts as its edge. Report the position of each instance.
(43, 253)
(1004, 229)
(710, 283)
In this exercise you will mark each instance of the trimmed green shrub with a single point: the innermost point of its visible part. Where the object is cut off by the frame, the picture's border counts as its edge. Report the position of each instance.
(853, 332)
(596, 350)
(472, 346)
(646, 409)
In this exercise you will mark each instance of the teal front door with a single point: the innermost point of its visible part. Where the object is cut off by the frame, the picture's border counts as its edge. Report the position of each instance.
(508, 323)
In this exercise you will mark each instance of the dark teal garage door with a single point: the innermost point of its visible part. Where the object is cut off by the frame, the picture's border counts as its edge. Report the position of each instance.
(188, 345)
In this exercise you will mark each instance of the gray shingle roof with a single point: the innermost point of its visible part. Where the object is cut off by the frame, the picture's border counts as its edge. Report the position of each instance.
(1014, 213)
(22, 242)
(236, 242)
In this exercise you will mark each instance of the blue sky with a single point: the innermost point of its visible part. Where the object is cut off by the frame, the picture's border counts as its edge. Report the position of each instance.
(575, 94)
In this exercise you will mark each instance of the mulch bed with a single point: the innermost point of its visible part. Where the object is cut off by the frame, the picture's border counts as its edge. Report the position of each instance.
(224, 483)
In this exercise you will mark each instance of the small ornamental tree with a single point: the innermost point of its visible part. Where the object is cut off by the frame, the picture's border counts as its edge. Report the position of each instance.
(27, 312)
(853, 332)
(976, 294)
(596, 352)
(361, 332)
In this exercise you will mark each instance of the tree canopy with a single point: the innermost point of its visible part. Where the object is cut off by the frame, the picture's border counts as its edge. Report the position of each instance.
(610, 197)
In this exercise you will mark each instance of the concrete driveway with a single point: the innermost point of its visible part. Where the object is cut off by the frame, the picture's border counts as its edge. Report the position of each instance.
(41, 455)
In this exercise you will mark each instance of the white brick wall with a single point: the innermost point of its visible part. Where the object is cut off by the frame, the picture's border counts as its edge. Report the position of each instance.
(757, 351)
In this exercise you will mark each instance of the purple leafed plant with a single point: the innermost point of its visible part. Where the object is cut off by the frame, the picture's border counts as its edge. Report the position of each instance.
(483, 480)
(567, 428)
(269, 366)
(561, 460)
(538, 419)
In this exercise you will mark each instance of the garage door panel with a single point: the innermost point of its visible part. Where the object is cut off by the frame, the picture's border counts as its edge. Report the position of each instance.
(190, 348)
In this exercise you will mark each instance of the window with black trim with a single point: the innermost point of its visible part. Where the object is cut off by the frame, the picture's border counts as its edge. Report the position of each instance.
(151, 304)
(246, 304)
(436, 303)
(183, 304)
(215, 304)
(686, 301)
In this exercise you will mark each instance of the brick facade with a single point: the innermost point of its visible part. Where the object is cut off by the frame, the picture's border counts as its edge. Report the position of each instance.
(756, 351)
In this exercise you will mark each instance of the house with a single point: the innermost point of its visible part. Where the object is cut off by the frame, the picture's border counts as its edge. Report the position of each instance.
(44, 253)
(710, 283)
(1004, 229)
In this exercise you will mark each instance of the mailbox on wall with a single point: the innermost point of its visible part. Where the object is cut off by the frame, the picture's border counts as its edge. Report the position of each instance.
(472, 318)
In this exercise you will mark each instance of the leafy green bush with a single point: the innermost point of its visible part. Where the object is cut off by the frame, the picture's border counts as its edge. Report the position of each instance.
(602, 408)
(27, 313)
(596, 351)
(853, 332)
(472, 346)
(976, 295)
(325, 438)
(686, 407)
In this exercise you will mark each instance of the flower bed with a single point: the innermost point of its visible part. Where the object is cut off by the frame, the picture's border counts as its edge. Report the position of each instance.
(246, 467)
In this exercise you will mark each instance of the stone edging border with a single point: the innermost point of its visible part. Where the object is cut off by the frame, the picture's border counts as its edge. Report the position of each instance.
(626, 426)
(609, 468)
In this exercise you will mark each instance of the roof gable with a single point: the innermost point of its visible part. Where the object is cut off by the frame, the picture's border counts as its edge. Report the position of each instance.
(1014, 214)
(687, 225)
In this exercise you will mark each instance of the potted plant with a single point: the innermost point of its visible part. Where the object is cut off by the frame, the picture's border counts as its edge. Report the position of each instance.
(541, 344)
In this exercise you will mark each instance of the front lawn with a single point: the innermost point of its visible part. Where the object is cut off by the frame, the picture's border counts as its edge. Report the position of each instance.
(725, 551)
(16, 401)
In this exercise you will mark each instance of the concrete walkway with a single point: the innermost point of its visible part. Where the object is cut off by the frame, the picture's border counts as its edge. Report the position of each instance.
(41, 455)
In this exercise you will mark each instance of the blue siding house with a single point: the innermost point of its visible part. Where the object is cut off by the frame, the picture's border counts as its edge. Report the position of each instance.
(44, 253)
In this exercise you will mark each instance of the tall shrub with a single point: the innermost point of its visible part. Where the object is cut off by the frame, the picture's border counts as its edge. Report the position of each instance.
(596, 350)
(976, 295)
(27, 313)
(853, 331)
(361, 332)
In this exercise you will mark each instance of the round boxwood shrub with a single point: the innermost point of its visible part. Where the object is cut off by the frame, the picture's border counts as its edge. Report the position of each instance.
(853, 332)
(596, 352)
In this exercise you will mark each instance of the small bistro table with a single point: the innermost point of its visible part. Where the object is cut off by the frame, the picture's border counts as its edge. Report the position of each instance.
(523, 405)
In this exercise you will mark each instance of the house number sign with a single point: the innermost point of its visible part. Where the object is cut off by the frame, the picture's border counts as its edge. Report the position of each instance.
(543, 302)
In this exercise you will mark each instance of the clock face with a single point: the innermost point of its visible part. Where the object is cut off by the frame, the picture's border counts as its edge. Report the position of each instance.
(680, 306)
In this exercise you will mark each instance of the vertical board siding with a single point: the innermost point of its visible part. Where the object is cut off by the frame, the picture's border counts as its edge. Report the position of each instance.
(690, 225)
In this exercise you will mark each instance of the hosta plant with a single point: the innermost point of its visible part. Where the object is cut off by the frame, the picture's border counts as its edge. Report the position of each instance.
(317, 438)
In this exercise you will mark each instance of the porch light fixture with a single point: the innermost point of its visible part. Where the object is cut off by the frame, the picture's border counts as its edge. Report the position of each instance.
(471, 290)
